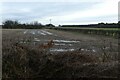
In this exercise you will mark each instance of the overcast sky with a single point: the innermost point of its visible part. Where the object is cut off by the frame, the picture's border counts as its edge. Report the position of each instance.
(60, 12)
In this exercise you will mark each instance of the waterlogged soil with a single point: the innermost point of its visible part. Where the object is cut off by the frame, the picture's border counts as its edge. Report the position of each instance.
(95, 42)
(68, 42)
(85, 37)
(63, 41)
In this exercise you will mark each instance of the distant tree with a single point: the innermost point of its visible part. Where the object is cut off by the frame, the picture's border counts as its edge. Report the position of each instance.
(59, 25)
(101, 23)
(119, 22)
(10, 24)
(50, 25)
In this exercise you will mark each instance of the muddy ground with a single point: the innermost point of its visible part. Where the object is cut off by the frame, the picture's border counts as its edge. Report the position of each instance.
(65, 42)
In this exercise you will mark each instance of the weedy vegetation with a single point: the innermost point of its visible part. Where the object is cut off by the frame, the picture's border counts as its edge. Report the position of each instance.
(28, 61)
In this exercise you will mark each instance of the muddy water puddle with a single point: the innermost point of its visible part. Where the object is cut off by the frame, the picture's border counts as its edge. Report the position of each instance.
(61, 50)
(60, 45)
(65, 41)
(38, 32)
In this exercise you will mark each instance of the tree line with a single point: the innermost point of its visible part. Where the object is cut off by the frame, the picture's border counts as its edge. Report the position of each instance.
(10, 24)
(99, 25)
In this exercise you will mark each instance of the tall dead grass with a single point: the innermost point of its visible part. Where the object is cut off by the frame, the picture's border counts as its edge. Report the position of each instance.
(23, 62)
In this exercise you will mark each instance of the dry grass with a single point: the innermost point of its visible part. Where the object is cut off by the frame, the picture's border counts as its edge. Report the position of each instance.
(22, 61)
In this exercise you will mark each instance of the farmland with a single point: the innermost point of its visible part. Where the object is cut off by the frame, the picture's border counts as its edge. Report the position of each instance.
(92, 28)
(49, 53)
(112, 32)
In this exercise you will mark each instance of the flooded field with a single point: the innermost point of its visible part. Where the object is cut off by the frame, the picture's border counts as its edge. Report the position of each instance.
(61, 44)
(56, 43)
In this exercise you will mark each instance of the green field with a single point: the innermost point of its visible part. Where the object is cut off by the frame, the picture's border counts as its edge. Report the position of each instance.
(91, 28)
(112, 32)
